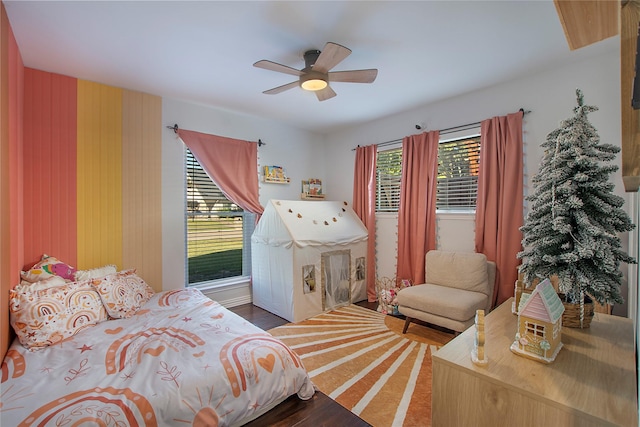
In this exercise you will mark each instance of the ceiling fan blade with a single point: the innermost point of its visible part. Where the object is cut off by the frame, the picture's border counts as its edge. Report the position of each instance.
(274, 66)
(325, 93)
(281, 88)
(354, 76)
(331, 55)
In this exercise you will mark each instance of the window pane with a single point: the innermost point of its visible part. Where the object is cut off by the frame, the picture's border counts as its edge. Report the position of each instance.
(388, 174)
(218, 231)
(458, 162)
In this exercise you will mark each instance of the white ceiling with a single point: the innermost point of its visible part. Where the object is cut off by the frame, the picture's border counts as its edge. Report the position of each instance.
(203, 51)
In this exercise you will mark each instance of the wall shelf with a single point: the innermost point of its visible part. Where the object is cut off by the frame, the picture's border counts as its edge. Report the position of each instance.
(276, 181)
(304, 196)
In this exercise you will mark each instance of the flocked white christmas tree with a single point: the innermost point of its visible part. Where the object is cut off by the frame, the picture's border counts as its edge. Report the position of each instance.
(571, 229)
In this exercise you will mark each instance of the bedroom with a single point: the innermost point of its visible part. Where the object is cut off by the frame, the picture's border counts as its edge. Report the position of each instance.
(548, 93)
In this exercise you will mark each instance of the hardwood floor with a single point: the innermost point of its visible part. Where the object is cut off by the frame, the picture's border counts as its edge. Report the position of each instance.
(258, 316)
(320, 410)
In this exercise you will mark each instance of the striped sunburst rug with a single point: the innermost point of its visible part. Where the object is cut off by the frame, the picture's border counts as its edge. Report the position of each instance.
(360, 358)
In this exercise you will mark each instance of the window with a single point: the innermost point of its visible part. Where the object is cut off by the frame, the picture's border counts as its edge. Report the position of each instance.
(218, 231)
(458, 162)
(388, 174)
(533, 329)
(457, 187)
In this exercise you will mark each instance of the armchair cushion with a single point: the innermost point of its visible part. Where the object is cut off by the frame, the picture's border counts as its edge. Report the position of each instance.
(459, 270)
(456, 304)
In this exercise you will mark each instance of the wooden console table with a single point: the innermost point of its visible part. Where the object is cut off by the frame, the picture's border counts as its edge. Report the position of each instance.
(592, 381)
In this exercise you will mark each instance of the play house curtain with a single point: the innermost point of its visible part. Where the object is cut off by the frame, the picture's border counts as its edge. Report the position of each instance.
(364, 205)
(231, 164)
(500, 195)
(417, 211)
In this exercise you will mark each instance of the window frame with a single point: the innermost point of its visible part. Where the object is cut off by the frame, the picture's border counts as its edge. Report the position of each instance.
(394, 199)
(248, 225)
(456, 209)
(458, 136)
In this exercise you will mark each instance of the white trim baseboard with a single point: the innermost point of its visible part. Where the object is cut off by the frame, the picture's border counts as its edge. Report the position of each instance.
(231, 295)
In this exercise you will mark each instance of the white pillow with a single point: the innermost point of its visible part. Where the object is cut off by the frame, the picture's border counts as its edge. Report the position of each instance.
(95, 273)
(51, 282)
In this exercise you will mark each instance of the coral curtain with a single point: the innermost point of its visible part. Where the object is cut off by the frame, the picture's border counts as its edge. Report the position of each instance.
(417, 212)
(364, 205)
(231, 163)
(500, 199)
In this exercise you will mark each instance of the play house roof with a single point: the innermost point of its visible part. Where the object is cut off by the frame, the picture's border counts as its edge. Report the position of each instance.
(542, 304)
(308, 223)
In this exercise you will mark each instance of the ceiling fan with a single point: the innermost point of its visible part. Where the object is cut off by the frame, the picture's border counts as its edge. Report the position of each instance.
(316, 74)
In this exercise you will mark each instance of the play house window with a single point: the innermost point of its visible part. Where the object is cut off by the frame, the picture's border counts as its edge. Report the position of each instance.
(534, 329)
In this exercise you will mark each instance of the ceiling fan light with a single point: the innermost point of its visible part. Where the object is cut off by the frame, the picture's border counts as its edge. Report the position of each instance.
(313, 84)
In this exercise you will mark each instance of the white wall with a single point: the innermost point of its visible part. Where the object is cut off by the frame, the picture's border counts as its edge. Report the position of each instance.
(295, 150)
(550, 96)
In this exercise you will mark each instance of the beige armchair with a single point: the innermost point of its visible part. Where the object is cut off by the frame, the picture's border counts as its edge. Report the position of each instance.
(457, 284)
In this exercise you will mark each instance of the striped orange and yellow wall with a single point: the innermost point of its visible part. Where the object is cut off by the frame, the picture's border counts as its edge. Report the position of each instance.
(80, 174)
(92, 174)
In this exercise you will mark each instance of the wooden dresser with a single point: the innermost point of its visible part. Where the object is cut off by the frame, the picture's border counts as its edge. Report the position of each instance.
(592, 381)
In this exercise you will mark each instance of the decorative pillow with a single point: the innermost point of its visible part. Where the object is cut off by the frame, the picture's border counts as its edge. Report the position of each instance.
(47, 267)
(51, 282)
(95, 273)
(44, 317)
(123, 293)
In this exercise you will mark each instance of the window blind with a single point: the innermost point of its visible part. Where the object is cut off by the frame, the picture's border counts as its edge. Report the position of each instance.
(458, 163)
(388, 174)
(218, 231)
(457, 187)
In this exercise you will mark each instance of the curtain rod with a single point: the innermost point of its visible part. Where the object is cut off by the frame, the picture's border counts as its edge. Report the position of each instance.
(175, 128)
(444, 131)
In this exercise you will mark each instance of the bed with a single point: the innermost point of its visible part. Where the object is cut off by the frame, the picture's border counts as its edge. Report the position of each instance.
(178, 358)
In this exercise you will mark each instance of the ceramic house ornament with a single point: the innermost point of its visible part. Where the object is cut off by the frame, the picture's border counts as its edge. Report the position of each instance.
(539, 324)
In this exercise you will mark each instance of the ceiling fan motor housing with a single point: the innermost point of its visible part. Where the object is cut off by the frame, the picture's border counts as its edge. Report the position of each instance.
(310, 58)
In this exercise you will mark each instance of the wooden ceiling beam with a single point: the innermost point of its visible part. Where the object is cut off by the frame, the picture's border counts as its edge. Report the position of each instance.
(589, 21)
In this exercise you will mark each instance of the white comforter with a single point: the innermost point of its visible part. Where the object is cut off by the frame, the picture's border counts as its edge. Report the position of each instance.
(182, 359)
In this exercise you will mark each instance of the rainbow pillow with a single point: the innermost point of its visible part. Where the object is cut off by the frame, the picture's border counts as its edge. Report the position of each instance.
(123, 293)
(47, 316)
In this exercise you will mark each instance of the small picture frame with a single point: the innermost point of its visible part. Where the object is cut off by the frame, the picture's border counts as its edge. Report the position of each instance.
(312, 187)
